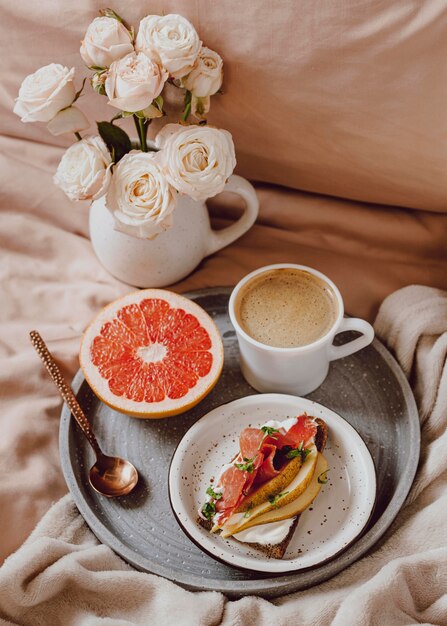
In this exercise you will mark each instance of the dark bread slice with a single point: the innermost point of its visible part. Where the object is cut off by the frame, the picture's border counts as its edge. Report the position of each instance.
(277, 550)
(321, 436)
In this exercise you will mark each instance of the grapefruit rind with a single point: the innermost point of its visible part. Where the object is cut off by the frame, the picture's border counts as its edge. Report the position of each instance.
(167, 407)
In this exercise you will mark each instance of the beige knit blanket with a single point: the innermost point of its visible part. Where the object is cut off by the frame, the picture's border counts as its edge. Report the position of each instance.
(62, 575)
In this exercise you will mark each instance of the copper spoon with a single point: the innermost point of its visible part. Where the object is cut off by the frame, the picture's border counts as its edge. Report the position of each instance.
(110, 475)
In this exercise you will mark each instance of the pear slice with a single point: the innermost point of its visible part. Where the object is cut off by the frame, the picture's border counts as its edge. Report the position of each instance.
(240, 521)
(298, 505)
(268, 490)
(272, 487)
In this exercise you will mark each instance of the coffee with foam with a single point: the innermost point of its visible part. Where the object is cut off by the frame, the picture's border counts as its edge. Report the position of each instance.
(286, 308)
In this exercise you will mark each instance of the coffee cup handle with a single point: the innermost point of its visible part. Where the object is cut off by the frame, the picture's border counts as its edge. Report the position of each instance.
(220, 238)
(352, 323)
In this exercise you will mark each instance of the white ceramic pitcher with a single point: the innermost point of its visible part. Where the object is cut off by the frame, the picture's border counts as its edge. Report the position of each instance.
(174, 253)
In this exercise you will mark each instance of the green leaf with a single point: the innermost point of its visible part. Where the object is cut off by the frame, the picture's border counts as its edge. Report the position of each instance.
(300, 451)
(99, 89)
(247, 466)
(213, 494)
(295, 452)
(208, 510)
(267, 430)
(111, 13)
(304, 454)
(99, 86)
(158, 102)
(115, 139)
(139, 114)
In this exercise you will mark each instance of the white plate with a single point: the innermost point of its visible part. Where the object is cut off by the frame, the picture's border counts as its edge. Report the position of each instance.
(337, 516)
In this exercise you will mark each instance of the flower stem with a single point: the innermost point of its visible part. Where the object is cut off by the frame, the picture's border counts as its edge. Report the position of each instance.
(78, 136)
(142, 125)
(187, 109)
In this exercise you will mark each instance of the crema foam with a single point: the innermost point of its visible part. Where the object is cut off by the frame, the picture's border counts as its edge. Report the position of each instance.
(286, 308)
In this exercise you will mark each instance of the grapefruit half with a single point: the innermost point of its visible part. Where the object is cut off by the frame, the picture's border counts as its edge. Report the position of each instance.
(152, 353)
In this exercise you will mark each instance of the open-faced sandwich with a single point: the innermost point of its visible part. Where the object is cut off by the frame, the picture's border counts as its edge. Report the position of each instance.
(258, 497)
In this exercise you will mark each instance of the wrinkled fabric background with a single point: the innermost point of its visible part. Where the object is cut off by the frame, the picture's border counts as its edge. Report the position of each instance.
(338, 111)
(345, 98)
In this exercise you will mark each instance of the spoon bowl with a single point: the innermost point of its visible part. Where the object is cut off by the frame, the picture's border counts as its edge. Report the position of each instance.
(112, 476)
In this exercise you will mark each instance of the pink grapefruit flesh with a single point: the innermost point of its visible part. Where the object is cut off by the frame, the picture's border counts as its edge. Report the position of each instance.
(152, 353)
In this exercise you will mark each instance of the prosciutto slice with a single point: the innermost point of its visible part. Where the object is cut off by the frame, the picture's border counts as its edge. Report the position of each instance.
(250, 441)
(267, 470)
(303, 431)
(236, 484)
(233, 482)
(258, 450)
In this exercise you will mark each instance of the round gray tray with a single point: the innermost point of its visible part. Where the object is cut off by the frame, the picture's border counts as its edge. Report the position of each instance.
(368, 389)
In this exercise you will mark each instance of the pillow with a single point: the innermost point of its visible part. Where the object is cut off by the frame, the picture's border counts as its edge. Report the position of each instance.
(341, 98)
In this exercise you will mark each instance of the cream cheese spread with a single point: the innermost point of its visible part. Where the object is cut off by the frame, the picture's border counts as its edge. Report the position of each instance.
(266, 534)
(286, 424)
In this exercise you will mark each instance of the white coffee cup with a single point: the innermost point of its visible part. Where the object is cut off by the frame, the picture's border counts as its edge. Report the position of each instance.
(297, 370)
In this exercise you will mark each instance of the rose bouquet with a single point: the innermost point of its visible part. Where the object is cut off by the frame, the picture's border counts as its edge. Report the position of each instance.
(141, 180)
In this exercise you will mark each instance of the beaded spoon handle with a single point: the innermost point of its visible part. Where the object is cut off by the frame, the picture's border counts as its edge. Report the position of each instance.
(110, 475)
(64, 389)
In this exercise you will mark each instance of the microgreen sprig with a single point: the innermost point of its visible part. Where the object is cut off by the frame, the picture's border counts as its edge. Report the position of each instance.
(209, 510)
(247, 466)
(274, 499)
(299, 451)
(213, 494)
(267, 430)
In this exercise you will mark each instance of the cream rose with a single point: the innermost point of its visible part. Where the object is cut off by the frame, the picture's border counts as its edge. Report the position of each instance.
(85, 169)
(198, 160)
(43, 94)
(105, 41)
(71, 120)
(170, 40)
(133, 82)
(140, 196)
(205, 78)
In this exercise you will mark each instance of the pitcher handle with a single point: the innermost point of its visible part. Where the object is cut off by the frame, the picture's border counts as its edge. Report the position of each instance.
(221, 238)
